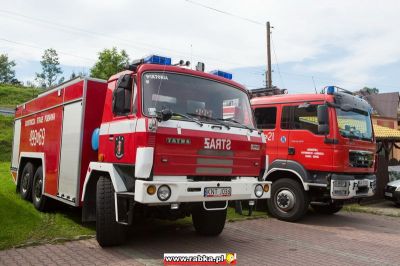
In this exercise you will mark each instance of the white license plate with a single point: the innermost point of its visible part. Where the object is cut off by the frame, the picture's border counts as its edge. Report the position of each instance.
(362, 183)
(217, 192)
(388, 194)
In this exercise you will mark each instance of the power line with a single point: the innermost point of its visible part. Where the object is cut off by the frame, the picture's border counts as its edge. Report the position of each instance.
(41, 48)
(143, 45)
(226, 13)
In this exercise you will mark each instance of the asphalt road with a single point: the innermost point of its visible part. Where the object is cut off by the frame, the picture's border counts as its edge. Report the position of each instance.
(342, 239)
(6, 111)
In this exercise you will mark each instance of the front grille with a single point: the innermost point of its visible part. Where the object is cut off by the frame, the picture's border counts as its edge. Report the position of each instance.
(361, 159)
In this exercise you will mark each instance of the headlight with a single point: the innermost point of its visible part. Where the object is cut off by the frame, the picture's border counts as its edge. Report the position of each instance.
(258, 191)
(163, 193)
(341, 183)
(398, 188)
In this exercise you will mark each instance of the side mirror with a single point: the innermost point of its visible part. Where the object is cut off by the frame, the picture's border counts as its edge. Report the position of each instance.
(323, 119)
(322, 113)
(121, 104)
(164, 115)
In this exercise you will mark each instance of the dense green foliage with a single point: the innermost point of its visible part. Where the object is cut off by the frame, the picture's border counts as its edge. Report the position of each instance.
(110, 62)
(6, 131)
(11, 95)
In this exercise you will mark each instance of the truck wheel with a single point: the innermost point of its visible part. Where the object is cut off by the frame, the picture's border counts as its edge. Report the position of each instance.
(288, 202)
(208, 223)
(25, 185)
(108, 231)
(38, 199)
(327, 209)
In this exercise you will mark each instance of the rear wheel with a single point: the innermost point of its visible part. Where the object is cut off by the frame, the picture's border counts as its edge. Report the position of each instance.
(38, 199)
(331, 208)
(208, 223)
(25, 185)
(108, 231)
(288, 202)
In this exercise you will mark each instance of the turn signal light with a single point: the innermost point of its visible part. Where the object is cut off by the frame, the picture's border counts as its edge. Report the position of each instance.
(100, 157)
(151, 190)
(266, 188)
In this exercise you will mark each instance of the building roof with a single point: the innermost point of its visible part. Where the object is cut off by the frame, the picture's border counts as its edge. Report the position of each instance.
(385, 104)
(386, 133)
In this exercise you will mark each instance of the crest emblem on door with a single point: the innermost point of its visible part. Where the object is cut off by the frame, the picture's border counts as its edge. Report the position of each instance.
(119, 147)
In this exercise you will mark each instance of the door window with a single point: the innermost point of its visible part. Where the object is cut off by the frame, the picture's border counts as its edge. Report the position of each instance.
(265, 117)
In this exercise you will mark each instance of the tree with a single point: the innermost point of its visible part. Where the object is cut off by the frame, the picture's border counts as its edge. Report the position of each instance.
(368, 90)
(110, 61)
(7, 73)
(50, 68)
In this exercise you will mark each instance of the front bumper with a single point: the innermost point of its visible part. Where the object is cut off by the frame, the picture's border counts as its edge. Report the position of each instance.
(347, 187)
(189, 191)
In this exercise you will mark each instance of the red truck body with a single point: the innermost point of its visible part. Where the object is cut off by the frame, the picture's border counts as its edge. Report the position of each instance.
(155, 140)
(297, 150)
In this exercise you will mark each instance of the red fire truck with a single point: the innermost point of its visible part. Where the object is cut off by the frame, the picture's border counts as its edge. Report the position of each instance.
(320, 149)
(152, 141)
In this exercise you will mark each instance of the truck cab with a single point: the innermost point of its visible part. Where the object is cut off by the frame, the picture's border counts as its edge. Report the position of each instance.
(169, 146)
(320, 149)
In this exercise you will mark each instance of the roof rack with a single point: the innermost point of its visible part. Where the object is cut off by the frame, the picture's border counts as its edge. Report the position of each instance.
(333, 89)
(267, 92)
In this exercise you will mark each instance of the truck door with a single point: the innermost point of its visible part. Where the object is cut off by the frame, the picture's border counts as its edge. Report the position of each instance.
(282, 134)
(122, 126)
(306, 146)
(266, 120)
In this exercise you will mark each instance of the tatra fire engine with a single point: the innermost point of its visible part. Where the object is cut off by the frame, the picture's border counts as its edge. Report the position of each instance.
(156, 140)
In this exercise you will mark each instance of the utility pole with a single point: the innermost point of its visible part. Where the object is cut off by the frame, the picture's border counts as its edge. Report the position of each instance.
(269, 71)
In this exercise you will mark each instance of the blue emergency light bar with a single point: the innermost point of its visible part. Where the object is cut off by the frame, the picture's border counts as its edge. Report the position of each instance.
(156, 59)
(330, 90)
(222, 74)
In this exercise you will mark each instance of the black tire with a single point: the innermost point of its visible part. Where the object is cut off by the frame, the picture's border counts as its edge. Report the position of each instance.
(25, 185)
(289, 202)
(331, 208)
(108, 231)
(208, 223)
(39, 200)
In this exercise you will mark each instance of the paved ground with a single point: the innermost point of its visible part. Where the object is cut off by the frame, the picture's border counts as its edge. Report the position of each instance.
(343, 239)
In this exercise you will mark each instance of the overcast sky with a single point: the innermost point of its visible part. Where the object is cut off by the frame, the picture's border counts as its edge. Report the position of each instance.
(346, 43)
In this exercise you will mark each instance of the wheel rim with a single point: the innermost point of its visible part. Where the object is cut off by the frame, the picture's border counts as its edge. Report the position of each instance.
(285, 200)
(25, 182)
(38, 189)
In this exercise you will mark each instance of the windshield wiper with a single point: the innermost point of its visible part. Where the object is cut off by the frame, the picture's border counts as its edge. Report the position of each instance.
(236, 122)
(210, 118)
(189, 117)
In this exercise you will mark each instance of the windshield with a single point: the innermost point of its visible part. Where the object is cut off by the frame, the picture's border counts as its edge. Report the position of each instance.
(354, 124)
(203, 99)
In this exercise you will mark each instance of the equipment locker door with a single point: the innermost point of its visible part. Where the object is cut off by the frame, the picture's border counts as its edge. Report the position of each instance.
(70, 152)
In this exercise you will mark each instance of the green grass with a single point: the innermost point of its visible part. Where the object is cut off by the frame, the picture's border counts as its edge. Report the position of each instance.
(21, 223)
(6, 131)
(11, 95)
(370, 210)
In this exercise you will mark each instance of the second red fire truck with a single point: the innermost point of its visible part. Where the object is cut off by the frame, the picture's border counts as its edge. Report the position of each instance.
(157, 140)
(320, 148)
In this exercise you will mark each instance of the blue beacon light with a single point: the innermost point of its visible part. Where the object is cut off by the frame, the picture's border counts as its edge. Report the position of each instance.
(222, 74)
(156, 59)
